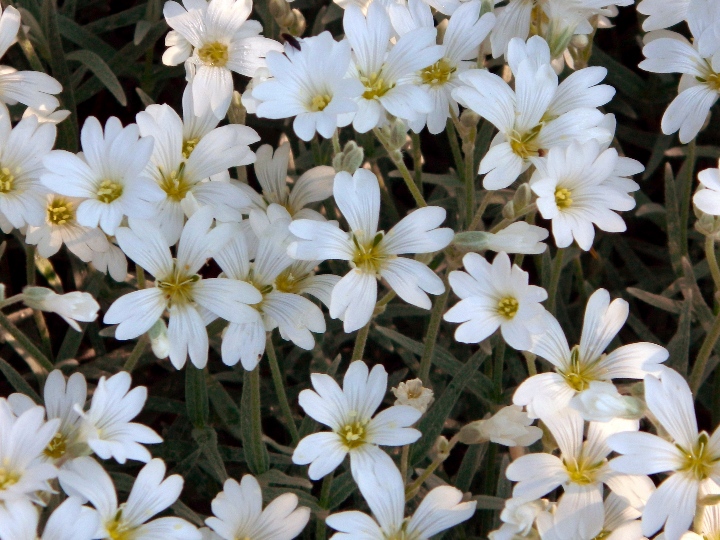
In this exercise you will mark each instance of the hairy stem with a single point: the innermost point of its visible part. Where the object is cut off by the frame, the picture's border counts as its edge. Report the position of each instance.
(280, 389)
(698, 370)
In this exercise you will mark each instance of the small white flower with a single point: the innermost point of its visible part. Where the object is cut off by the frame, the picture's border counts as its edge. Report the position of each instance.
(310, 84)
(178, 287)
(575, 369)
(699, 62)
(601, 402)
(107, 175)
(707, 199)
(386, 76)
(72, 307)
(582, 185)
(215, 39)
(518, 517)
(31, 88)
(690, 457)
(372, 254)
(150, 495)
(23, 439)
(19, 520)
(518, 237)
(510, 426)
(538, 115)
(414, 394)
(383, 488)
(61, 227)
(237, 513)
(106, 427)
(349, 413)
(495, 296)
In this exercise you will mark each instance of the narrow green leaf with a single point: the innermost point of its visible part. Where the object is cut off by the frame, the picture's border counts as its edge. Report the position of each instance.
(83, 38)
(17, 382)
(102, 71)
(225, 407)
(206, 438)
(679, 346)
(117, 20)
(342, 487)
(673, 221)
(196, 396)
(255, 450)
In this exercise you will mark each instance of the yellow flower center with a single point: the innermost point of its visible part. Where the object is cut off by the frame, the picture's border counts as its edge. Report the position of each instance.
(117, 529)
(287, 281)
(319, 103)
(375, 85)
(563, 198)
(508, 307)
(57, 446)
(581, 471)
(7, 180)
(438, 74)
(698, 461)
(579, 374)
(188, 146)
(368, 256)
(603, 535)
(178, 286)
(108, 191)
(525, 144)
(175, 185)
(353, 434)
(710, 77)
(8, 478)
(214, 54)
(60, 211)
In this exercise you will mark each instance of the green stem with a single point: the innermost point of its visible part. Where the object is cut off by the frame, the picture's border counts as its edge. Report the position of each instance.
(555, 280)
(470, 175)
(508, 221)
(530, 361)
(454, 145)
(396, 156)
(280, 389)
(432, 334)
(140, 276)
(687, 194)
(136, 353)
(417, 158)
(404, 456)
(320, 527)
(712, 261)
(360, 341)
(480, 211)
(12, 300)
(25, 343)
(31, 278)
(498, 367)
(316, 150)
(698, 371)
(412, 489)
(256, 413)
(336, 141)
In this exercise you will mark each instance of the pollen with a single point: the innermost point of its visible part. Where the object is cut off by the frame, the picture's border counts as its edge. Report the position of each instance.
(214, 54)
(7, 180)
(698, 461)
(8, 478)
(368, 256)
(60, 211)
(319, 102)
(525, 144)
(175, 185)
(57, 446)
(188, 146)
(508, 307)
(563, 198)
(438, 74)
(375, 86)
(353, 434)
(583, 472)
(108, 191)
(178, 286)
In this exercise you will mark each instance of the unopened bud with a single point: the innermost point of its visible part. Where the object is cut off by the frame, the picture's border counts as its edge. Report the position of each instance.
(522, 197)
(469, 119)
(440, 450)
(398, 135)
(350, 159)
(579, 41)
(237, 112)
(414, 394)
(159, 341)
(508, 211)
(510, 426)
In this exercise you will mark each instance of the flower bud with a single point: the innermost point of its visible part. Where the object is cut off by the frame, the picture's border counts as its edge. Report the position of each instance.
(510, 426)
(350, 159)
(398, 134)
(413, 393)
(521, 513)
(440, 450)
(159, 341)
(519, 237)
(237, 112)
(469, 119)
(522, 197)
(72, 307)
(601, 402)
(579, 41)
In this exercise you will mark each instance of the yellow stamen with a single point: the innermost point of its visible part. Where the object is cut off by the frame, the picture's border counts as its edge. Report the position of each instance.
(7, 180)
(214, 54)
(8, 478)
(178, 286)
(108, 191)
(698, 461)
(319, 103)
(369, 256)
(188, 146)
(438, 74)
(175, 185)
(375, 86)
(563, 198)
(508, 307)
(60, 211)
(57, 446)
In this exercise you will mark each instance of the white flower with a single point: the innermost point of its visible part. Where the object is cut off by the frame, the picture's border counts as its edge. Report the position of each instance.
(581, 185)
(538, 115)
(601, 402)
(707, 199)
(581, 470)
(414, 394)
(62, 399)
(23, 439)
(22, 196)
(178, 287)
(495, 296)
(214, 39)
(72, 307)
(349, 413)
(150, 495)
(708, 524)
(106, 426)
(237, 513)
(372, 254)
(690, 459)
(386, 75)
(31, 88)
(61, 227)
(575, 369)
(271, 170)
(662, 14)
(383, 488)
(518, 517)
(518, 237)
(699, 63)
(465, 30)
(295, 316)
(107, 175)
(187, 153)
(19, 520)
(510, 426)
(310, 85)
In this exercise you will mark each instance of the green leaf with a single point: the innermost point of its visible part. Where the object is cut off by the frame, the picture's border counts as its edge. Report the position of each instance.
(117, 20)
(196, 396)
(83, 38)
(673, 221)
(431, 425)
(102, 71)
(206, 438)
(255, 451)
(225, 407)
(342, 487)
(17, 382)
(679, 346)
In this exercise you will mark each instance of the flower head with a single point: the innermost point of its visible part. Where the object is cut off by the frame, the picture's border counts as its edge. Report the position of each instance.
(72, 307)
(19, 520)
(414, 394)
